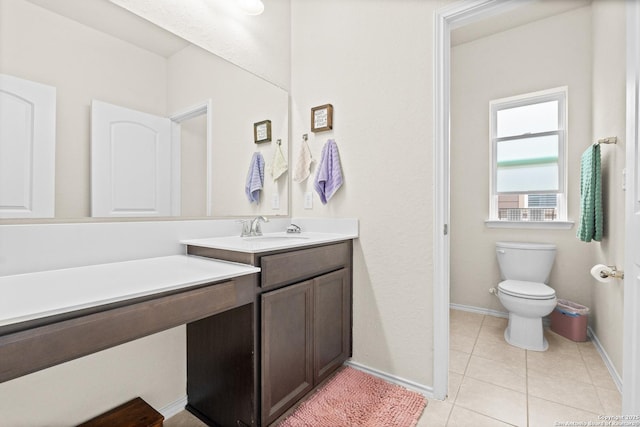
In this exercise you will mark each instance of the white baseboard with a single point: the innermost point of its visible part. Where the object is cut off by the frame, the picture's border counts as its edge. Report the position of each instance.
(425, 390)
(605, 358)
(479, 310)
(173, 408)
(546, 321)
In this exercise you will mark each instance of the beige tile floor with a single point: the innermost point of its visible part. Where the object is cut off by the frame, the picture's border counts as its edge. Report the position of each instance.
(494, 384)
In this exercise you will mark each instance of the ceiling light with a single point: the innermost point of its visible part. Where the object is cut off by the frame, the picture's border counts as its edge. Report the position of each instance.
(251, 7)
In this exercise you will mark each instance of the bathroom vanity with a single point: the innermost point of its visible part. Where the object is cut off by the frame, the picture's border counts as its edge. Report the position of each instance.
(303, 304)
(267, 318)
(92, 308)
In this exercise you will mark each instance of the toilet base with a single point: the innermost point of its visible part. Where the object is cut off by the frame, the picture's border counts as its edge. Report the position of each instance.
(526, 333)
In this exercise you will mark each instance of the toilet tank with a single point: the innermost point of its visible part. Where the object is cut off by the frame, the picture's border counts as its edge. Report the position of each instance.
(530, 262)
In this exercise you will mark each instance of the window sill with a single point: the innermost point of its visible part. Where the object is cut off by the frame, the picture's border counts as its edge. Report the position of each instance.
(552, 225)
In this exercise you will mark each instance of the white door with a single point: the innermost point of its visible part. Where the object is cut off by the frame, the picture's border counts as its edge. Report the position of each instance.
(131, 172)
(27, 148)
(631, 350)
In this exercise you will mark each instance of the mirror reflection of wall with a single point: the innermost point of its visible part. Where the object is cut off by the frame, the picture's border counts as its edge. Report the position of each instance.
(193, 164)
(141, 71)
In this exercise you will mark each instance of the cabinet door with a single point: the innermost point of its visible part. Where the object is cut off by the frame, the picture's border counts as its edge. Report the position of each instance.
(332, 323)
(287, 371)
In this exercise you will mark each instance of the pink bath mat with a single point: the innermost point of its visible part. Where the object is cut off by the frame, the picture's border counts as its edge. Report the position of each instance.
(353, 398)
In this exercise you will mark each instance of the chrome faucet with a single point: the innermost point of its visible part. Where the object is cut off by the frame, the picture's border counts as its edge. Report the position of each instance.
(251, 227)
(246, 227)
(256, 230)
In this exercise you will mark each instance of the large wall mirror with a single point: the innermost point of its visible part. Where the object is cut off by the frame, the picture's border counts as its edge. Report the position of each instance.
(95, 54)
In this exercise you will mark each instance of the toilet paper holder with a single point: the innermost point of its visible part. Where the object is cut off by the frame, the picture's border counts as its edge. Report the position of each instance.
(612, 272)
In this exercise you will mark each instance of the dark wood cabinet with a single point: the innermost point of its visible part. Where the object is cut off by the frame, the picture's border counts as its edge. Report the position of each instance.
(302, 320)
(306, 336)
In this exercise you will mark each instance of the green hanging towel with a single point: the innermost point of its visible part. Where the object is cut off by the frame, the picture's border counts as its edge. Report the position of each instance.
(590, 226)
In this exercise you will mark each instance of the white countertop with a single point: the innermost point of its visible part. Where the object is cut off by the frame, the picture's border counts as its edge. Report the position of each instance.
(31, 296)
(269, 241)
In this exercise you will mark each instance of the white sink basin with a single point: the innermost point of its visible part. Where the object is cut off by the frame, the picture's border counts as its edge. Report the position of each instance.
(278, 238)
(268, 241)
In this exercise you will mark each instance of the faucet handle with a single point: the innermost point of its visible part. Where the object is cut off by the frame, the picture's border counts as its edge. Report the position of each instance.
(256, 229)
(246, 227)
(293, 228)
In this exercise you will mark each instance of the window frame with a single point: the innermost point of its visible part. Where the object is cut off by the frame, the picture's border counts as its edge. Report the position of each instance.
(559, 94)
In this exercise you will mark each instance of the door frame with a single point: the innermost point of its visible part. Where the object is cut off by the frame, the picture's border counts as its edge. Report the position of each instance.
(631, 337)
(445, 20)
(203, 108)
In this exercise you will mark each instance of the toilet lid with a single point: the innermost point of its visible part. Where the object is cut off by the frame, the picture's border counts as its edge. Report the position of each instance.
(530, 290)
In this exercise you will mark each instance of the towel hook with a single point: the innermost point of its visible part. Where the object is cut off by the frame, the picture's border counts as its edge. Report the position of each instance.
(279, 142)
(305, 136)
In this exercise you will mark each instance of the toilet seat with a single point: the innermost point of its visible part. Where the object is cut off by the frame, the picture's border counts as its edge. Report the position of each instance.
(528, 290)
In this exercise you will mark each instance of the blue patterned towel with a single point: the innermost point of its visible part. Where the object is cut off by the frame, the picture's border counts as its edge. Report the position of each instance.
(329, 175)
(255, 178)
(590, 226)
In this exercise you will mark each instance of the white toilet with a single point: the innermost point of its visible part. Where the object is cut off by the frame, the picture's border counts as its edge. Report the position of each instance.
(525, 268)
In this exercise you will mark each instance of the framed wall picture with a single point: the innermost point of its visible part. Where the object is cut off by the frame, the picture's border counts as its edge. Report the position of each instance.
(322, 118)
(262, 131)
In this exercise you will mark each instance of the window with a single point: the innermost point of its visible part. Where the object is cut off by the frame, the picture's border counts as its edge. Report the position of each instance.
(528, 139)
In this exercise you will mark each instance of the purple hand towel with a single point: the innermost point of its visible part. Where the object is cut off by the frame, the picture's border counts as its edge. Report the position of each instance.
(255, 178)
(329, 176)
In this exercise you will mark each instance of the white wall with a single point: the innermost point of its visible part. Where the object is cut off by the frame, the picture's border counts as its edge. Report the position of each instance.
(372, 60)
(609, 120)
(259, 44)
(545, 54)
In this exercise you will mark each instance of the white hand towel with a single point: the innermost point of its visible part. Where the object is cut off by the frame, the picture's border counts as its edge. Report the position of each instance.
(279, 164)
(303, 165)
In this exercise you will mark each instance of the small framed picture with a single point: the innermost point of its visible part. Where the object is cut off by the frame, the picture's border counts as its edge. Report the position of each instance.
(262, 131)
(322, 118)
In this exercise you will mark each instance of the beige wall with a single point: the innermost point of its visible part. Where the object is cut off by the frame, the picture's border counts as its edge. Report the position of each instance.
(372, 61)
(239, 99)
(609, 120)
